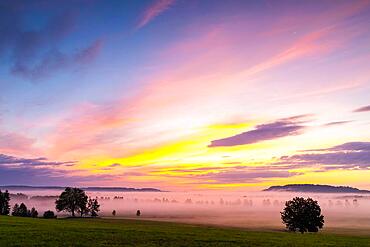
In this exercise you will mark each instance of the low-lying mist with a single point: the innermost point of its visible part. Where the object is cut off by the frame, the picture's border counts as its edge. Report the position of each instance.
(257, 210)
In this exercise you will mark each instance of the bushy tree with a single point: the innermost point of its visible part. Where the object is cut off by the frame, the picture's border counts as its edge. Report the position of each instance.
(114, 212)
(83, 209)
(4, 203)
(72, 200)
(49, 215)
(34, 213)
(93, 207)
(21, 210)
(303, 215)
(138, 213)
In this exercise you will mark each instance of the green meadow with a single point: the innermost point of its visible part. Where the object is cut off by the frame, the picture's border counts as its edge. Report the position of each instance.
(16, 231)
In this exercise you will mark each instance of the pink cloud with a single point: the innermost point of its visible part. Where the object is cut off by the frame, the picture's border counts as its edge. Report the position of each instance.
(200, 74)
(14, 143)
(158, 7)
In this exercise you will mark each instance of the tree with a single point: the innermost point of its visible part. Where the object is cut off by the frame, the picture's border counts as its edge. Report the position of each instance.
(4, 203)
(72, 200)
(49, 215)
(114, 212)
(303, 215)
(15, 211)
(34, 213)
(21, 210)
(93, 207)
(138, 213)
(83, 209)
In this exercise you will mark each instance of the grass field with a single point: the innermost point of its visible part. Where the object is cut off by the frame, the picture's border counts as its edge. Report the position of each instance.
(16, 231)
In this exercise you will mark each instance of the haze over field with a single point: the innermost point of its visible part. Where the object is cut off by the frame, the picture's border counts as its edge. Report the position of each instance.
(252, 210)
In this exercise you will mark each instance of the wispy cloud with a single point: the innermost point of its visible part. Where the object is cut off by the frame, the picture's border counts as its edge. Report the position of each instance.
(15, 143)
(230, 175)
(12, 161)
(350, 155)
(337, 123)
(41, 171)
(155, 9)
(36, 53)
(280, 128)
(55, 60)
(362, 109)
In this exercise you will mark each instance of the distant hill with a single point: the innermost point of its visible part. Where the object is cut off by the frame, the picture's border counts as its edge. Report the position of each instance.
(108, 189)
(316, 188)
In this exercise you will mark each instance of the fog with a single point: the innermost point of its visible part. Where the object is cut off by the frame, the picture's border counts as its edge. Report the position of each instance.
(254, 210)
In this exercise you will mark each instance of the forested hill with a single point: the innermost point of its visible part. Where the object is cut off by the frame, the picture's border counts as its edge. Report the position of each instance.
(317, 188)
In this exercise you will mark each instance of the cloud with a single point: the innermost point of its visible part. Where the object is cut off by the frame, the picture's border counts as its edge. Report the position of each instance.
(197, 78)
(15, 143)
(46, 176)
(233, 174)
(244, 176)
(55, 60)
(362, 109)
(280, 128)
(41, 171)
(337, 123)
(348, 146)
(11, 161)
(35, 53)
(158, 7)
(350, 155)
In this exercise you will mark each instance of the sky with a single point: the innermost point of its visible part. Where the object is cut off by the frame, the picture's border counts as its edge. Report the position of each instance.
(185, 95)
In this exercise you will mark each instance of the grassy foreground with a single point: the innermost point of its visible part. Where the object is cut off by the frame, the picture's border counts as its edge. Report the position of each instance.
(16, 231)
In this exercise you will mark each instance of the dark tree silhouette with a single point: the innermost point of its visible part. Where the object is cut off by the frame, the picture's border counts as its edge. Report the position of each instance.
(138, 213)
(114, 212)
(21, 210)
(303, 215)
(72, 200)
(15, 210)
(49, 215)
(83, 209)
(4, 203)
(34, 213)
(93, 207)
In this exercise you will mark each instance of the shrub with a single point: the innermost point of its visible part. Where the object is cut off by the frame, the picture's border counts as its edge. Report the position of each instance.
(49, 215)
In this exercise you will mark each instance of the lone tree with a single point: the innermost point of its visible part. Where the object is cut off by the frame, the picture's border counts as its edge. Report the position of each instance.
(4, 203)
(93, 207)
(72, 200)
(303, 215)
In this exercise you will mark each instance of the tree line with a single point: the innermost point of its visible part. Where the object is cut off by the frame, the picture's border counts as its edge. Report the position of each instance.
(71, 200)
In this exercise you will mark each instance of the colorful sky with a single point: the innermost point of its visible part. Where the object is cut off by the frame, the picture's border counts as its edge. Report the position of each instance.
(185, 95)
